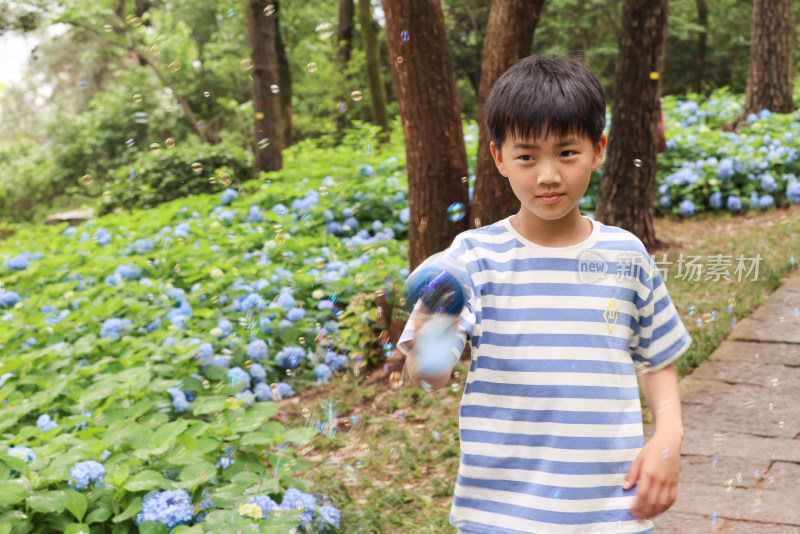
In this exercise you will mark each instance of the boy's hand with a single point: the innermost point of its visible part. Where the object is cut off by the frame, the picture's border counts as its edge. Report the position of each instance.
(656, 468)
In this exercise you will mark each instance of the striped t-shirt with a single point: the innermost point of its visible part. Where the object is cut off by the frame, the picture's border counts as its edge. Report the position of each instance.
(550, 420)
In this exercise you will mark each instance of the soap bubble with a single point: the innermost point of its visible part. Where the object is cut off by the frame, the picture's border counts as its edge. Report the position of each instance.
(692, 310)
(404, 36)
(174, 66)
(325, 30)
(274, 88)
(312, 67)
(263, 143)
(155, 147)
(197, 167)
(341, 107)
(269, 10)
(456, 211)
(246, 64)
(637, 162)
(170, 142)
(137, 98)
(356, 96)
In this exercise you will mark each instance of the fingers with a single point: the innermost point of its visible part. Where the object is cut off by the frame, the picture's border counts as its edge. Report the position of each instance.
(653, 497)
(633, 473)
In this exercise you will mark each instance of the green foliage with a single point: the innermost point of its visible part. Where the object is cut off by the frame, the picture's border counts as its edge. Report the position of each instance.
(165, 174)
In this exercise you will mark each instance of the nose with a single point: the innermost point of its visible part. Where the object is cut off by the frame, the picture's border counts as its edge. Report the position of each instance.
(548, 173)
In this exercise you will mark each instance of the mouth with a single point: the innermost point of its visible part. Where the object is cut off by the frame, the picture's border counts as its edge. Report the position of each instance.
(550, 197)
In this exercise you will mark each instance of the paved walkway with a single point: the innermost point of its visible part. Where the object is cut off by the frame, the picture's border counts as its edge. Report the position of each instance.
(740, 464)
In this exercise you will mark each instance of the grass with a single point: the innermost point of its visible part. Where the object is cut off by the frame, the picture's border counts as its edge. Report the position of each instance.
(395, 452)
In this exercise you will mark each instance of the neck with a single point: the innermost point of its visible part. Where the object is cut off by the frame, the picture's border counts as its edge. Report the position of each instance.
(564, 232)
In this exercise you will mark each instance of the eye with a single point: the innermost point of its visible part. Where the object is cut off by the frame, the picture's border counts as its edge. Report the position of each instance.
(568, 153)
(526, 157)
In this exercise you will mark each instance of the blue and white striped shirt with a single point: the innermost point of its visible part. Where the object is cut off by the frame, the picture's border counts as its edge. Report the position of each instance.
(550, 420)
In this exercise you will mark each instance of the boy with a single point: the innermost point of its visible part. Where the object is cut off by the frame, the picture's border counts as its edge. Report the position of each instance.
(562, 312)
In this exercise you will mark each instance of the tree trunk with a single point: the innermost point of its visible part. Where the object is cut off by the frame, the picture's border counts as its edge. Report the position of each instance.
(436, 158)
(261, 33)
(769, 79)
(284, 82)
(377, 93)
(627, 191)
(344, 38)
(702, 39)
(141, 7)
(509, 37)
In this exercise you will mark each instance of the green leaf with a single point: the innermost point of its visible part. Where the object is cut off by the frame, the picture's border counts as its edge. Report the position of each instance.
(131, 510)
(74, 528)
(12, 492)
(152, 527)
(196, 474)
(98, 515)
(49, 501)
(145, 480)
(76, 503)
(5, 528)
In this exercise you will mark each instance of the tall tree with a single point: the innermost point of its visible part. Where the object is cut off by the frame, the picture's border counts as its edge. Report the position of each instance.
(702, 40)
(261, 33)
(344, 38)
(284, 80)
(436, 158)
(377, 93)
(769, 78)
(627, 190)
(509, 35)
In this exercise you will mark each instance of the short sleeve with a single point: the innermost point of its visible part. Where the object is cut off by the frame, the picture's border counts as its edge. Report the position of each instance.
(662, 335)
(464, 325)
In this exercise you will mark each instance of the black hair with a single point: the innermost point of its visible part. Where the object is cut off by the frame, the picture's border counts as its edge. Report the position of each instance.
(543, 93)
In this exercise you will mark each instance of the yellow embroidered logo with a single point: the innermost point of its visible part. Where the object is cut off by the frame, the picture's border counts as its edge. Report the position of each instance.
(610, 314)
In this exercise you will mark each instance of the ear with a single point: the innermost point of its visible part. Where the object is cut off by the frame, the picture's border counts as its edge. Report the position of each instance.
(497, 155)
(599, 152)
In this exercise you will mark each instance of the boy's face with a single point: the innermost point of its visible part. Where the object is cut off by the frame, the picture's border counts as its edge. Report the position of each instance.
(549, 175)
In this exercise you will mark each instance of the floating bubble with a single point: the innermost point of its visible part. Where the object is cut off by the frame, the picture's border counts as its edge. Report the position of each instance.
(436, 435)
(86, 179)
(426, 387)
(306, 413)
(155, 50)
(155, 147)
(174, 67)
(200, 124)
(263, 143)
(399, 59)
(404, 36)
(698, 322)
(108, 28)
(197, 167)
(388, 349)
(692, 309)
(711, 316)
(312, 67)
(206, 94)
(83, 85)
(246, 64)
(456, 211)
(134, 21)
(323, 190)
(225, 178)
(269, 10)
(395, 380)
(324, 30)
(341, 107)
(169, 143)
(356, 96)
(230, 13)
(637, 162)
(274, 88)
(137, 98)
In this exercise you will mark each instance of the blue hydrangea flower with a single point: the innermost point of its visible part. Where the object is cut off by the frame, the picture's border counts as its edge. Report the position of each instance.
(765, 201)
(328, 516)
(171, 507)
(665, 201)
(153, 326)
(734, 203)
(84, 473)
(254, 215)
(284, 390)
(263, 392)
(228, 196)
(248, 396)
(764, 114)
(226, 327)
(768, 183)
(295, 499)
(25, 454)
(45, 424)
(237, 376)
(725, 169)
(5, 377)
(112, 328)
(70, 230)
(289, 357)
(219, 361)
(176, 294)
(792, 193)
(224, 462)
(404, 215)
(686, 208)
(105, 455)
(28, 343)
(19, 263)
(257, 350)
(179, 401)
(265, 503)
(102, 236)
(295, 314)
(754, 200)
(181, 230)
(280, 210)
(258, 372)
(335, 360)
(323, 373)
(9, 298)
(715, 200)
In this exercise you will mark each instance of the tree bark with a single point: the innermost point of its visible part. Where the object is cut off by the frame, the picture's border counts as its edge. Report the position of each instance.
(284, 81)
(769, 78)
(141, 7)
(509, 37)
(436, 158)
(377, 93)
(344, 38)
(702, 39)
(261, 33)
(627, 190)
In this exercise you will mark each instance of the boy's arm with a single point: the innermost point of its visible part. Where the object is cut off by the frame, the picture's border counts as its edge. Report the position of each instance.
(657, 466)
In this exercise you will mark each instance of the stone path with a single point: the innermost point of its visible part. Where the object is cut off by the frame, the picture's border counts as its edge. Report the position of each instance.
(740, 464)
